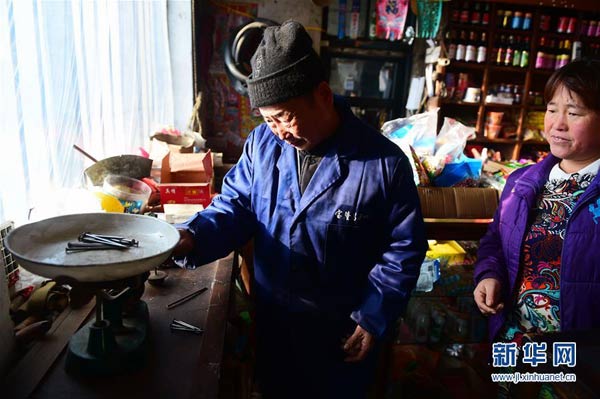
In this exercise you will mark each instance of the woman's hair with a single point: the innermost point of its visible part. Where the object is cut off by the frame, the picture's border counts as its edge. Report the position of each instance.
(581, 77)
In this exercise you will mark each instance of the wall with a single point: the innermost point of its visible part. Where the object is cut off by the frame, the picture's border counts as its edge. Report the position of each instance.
(303, 11)
(227, 118)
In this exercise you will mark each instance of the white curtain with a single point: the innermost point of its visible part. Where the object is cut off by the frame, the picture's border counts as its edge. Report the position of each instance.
(92, 73)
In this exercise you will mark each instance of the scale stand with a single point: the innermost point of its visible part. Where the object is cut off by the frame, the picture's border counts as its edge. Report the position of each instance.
(116, 341)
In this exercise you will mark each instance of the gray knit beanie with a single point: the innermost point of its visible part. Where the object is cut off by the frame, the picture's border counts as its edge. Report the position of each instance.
(284, 65)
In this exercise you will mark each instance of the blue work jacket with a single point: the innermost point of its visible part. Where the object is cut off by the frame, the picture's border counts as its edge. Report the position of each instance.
(351, 245)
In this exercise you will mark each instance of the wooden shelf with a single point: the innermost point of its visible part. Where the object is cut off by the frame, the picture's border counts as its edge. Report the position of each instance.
(500, 105)
(485, 140)
(505, 68)
(542, 71)
(589, 39)
(460, 102)
(477, 27)
(468, 65)
(453, 229)
(557, 35)
(366, 44)
(520, 32)
(529, 79)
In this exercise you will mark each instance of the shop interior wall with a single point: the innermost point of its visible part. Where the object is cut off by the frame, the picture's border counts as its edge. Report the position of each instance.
(226, 116)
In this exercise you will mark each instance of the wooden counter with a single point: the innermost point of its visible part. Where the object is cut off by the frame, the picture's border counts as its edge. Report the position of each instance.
(456, 229)
(180, 364)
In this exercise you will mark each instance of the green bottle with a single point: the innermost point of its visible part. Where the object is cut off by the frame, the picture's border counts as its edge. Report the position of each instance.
(525, 54)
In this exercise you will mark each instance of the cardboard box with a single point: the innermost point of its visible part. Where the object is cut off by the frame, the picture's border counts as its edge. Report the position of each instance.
(187, 168)
(179, 213)
(185, 193)
(458, 202)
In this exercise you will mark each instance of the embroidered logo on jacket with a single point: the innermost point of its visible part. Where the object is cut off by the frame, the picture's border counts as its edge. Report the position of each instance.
(595, 210)
(350, 216)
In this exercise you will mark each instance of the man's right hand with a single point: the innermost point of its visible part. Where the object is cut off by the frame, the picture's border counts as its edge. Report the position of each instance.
(185, 245)
(487, 296)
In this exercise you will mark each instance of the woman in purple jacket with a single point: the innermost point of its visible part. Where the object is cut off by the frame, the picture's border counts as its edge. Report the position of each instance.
(538, 269)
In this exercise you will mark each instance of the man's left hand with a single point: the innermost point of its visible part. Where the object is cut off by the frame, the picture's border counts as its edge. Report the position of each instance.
(358, 345)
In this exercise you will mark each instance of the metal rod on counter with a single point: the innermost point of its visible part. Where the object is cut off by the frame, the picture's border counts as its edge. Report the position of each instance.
(186, 298)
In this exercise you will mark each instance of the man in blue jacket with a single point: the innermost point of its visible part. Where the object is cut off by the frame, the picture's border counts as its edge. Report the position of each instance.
(336, 221)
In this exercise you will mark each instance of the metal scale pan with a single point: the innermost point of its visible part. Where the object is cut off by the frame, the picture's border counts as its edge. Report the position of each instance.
(40, 247)
(116, 340)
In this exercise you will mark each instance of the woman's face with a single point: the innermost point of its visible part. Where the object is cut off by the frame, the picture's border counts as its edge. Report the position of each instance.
(572, 129)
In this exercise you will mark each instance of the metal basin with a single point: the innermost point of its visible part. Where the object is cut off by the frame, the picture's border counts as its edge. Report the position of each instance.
(132, 166)
(40, 247)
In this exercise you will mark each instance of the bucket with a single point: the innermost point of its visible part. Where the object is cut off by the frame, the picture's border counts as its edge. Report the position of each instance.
(492, 131)
(132, 193)
(494, 118)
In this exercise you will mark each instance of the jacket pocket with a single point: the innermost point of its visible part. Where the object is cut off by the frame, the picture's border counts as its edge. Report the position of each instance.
(347, 252)
(580, 263)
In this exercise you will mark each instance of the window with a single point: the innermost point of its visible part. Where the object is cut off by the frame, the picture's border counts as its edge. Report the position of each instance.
(97, 74)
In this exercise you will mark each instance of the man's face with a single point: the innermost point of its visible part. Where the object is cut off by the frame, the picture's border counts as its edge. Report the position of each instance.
(296, 121)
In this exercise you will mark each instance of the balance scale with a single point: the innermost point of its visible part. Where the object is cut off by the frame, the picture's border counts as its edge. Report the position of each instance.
(115, 341)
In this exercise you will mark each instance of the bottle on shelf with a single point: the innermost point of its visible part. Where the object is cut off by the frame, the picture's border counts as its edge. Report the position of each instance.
(544, 22)
(564, 55)
(591, 31)
(540, 62)
(527, 18)
(524, 63)
(508, 52)
(499, 18)
(471, 49)
(464, 13)
(576, 50)
(517, 20)
(455, 15)
(571, 25)
(507, 19)
(485, 15)
(563, 23)
(516, 61)
(461, 47)
(476, 14)
(451, 40)
(500, 50)
(584, 27)
(482, 49)
(372, 22)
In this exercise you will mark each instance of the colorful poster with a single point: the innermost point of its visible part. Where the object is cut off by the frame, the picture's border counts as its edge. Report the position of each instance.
(228, 118)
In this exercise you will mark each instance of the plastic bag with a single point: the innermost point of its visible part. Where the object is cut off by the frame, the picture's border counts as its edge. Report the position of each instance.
(464, 172)
(418, 131)
(452, 139)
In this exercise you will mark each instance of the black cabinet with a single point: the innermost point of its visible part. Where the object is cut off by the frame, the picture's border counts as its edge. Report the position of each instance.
(373, 75)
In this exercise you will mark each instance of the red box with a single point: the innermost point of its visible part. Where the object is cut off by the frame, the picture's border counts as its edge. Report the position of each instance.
(185, 193)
